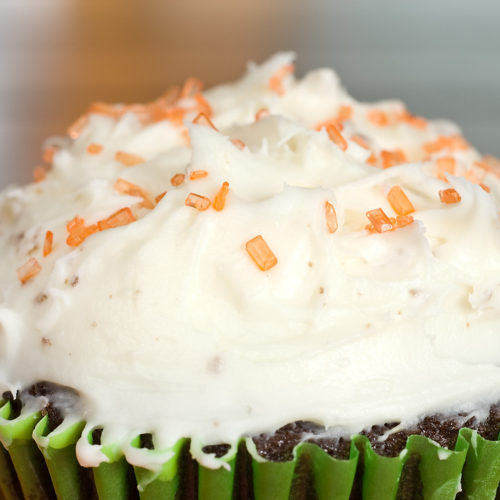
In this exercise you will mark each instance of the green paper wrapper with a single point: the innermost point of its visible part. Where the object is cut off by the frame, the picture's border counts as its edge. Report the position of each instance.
(41, 464)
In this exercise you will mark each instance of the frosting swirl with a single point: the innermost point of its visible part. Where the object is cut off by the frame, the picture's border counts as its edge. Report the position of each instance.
(165, 324)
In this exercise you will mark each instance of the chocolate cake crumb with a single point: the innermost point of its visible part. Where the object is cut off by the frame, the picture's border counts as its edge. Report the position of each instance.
(54, 415)
(41, 297)
(74, 281)
(392, 445)
(33, 249)
(46, 341)
(279, 446)
(49, 389)
(96, 435)
(16, 403)
(146, 441)
(335, 447)
(219, 450)
(214, 365)
(60, 398)
(490, 427)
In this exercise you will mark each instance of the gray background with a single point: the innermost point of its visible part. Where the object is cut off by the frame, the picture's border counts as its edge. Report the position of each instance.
(56, 56)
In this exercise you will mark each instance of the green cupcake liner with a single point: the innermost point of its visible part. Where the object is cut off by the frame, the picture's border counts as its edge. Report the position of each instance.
(40, 464)
(113, 480)
(28, 462)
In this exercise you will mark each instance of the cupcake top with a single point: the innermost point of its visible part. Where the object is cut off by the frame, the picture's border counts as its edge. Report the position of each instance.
(220, 263)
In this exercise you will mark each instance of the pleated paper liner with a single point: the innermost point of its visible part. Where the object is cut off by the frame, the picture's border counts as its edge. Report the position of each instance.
(41, 464)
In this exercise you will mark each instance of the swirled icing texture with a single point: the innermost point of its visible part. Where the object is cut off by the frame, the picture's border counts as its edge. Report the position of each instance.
(166, 325)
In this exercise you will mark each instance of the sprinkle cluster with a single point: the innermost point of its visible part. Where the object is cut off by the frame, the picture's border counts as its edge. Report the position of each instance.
(177, 103)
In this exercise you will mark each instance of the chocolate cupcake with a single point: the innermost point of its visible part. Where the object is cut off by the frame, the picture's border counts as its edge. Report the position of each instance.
(262, 290)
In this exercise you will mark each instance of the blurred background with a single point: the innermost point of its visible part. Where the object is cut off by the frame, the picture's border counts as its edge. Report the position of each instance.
(56, 56)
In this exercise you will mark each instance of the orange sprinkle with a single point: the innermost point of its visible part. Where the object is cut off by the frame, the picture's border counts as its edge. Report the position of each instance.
(122, 217)
(238, 143)
(79, 234)
(47, 244)
(436, 145)
(28, 270)
(126, 187)
(335, 135)
(472, 176)
(192, 87)
(220, 197)
(414, 121)
(158, 112)
(103, 108)
(327, 123)
(360, 141)
(378, 117)
(128, 159)
(403, 220)
(260, 253)
(449, 196)
(77, 127)
(203, 119)
(262, 113)
(74, 223)
(177, 179)
(457, 143)
(331, 217)
(39, 173)
(399, 201)
(197, 201)
(445, 164)
(171, 95)
(381, 223)
(451, 142)
(197, 174)
(485, 187)
(160, 197)
(276, 81)
(94, 149)
(372, 159)
(48, 154)
(392, 158)
(203, 105)
(344, 113)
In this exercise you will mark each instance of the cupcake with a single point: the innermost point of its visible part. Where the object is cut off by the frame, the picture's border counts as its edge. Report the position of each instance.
(263, 290)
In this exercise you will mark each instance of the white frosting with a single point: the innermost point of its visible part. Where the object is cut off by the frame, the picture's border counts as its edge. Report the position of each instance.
(172, 329)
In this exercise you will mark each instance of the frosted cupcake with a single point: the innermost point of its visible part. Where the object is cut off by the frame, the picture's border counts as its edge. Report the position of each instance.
(263, 288)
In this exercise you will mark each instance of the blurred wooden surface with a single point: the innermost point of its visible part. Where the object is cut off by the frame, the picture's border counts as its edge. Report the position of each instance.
(56, 56)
